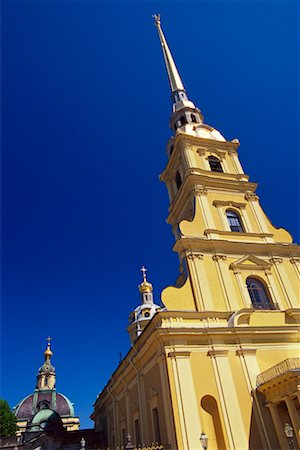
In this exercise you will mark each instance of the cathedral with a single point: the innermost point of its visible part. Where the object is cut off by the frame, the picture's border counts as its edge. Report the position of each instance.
(215, 363)
(217, 366)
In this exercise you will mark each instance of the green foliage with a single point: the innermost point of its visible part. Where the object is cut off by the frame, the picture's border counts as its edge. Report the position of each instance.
(8, 421)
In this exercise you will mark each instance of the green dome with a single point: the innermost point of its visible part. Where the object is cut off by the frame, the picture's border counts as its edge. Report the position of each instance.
(45, 419)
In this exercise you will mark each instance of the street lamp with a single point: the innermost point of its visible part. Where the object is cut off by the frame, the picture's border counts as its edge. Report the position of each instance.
(204, 440)
(289, 432)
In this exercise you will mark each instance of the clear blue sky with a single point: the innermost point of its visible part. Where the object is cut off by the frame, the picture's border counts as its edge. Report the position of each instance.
(85, 111)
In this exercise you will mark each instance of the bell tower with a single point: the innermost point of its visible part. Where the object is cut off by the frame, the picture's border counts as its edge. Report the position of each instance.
(223, 237)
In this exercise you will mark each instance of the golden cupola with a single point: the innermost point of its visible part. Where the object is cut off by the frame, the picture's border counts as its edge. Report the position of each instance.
(143, 313)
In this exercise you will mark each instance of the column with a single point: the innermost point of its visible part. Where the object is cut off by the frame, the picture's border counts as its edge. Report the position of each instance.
(167, 412)
(128, 414)
(253, 200)
(278, 426)
(294, 417)
(201, 152)
(276, 297)
(236, 162)
(201, 193)
(143, 414)
(188, 411)
(226, 283)
(251, 370)
(243, 289)
(232, 414)
(283, 281)
(296, 265)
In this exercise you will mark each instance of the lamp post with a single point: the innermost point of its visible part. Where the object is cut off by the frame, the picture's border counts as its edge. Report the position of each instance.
(289, 432)
(204, 441)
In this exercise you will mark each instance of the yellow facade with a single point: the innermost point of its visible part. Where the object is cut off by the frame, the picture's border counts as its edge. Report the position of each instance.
(213, 360)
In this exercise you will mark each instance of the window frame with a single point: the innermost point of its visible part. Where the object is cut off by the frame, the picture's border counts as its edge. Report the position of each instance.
(260, 295)
(214, 160)
(238, 226)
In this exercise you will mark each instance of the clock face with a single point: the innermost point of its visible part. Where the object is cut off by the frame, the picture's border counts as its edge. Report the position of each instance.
(202, 132)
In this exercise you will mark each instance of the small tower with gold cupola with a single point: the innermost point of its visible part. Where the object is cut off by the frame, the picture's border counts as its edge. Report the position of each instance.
(45, 394)
(46, 376)
(143, 313)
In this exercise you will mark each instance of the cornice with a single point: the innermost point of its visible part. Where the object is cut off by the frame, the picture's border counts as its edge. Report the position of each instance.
(229, 203)
(229, 146)
(236, 233)
(204, 245)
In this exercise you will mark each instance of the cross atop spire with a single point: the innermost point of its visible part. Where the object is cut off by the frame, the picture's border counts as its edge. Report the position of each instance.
(144, 270)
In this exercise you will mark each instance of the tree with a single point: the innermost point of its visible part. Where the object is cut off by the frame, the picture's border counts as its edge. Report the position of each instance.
(8, 421)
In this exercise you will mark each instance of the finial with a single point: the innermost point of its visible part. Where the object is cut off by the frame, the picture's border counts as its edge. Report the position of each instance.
(144, 270)
(156, 18)
(48, 353)
(145, 286)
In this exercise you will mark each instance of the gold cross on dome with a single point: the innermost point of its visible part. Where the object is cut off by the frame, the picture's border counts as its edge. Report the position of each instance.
(144, 270)
(48, 339)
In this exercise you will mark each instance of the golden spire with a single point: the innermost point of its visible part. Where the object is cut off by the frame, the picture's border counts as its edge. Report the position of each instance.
(145, 286)
(48, 353)
(174, 77)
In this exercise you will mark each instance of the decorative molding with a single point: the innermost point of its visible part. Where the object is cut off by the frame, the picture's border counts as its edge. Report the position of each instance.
(274, 261)
(179, 354)
(295, 260)
(215, 353)
(152, 394)
(194, 256)
(200, 190)
(220, 154)
(229, 203)
(219, 257)
(246, 351)
(257, 264)
(236, 233)
(251, 196)
(201, 151)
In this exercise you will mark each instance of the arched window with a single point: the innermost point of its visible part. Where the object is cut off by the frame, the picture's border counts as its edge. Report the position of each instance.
(260, 297)
(234, 221)
(183, 120)
(215, 164)
(193, 118)
(178, 180)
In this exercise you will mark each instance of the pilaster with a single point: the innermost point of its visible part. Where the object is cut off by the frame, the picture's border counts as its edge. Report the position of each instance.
(231, 408)
(283, 281)
(278, 426)
(293, 413)
(167, 411)
(251, 369)
(188, 412)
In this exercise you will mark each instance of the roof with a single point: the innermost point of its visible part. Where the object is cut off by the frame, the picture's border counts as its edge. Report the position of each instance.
(58, 402)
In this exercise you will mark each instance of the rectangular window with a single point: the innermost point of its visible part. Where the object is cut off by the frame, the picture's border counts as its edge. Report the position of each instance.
(137, 432)
(156, 425)
(124, 441)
